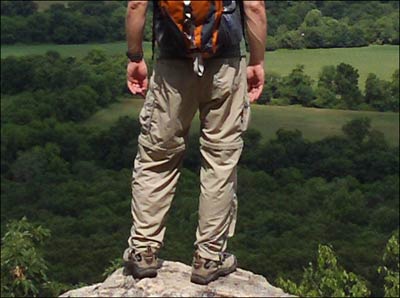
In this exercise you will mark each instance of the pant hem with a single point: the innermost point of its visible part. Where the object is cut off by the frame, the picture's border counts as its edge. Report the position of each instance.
(222, 146)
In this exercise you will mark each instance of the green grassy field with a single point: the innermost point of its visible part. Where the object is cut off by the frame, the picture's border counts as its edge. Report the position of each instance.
(314, 123)
(381, 60)
(43, 5)
(79, 50)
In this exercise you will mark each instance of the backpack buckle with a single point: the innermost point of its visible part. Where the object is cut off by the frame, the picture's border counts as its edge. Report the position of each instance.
(198, 64)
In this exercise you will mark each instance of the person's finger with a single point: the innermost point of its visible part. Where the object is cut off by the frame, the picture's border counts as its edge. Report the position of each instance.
(255, 92)
(133, 87)
(258, 92)
(253, 97)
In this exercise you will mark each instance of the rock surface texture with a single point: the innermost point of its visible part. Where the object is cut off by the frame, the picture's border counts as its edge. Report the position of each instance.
(173, 280)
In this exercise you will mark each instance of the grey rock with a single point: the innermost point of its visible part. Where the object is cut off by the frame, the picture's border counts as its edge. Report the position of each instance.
(173, 280)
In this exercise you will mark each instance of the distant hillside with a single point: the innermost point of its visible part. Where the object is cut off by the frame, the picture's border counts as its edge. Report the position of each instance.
(315, 124)
(380, 60)
(291, 24)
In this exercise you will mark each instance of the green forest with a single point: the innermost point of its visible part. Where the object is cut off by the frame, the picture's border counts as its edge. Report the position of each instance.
(292, 24)
(65, 186)
(74, 180)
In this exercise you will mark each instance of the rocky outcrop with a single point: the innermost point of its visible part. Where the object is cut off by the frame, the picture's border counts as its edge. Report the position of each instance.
(173, 280)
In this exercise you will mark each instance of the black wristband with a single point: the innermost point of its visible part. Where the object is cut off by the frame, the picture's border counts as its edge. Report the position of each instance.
(137, 57)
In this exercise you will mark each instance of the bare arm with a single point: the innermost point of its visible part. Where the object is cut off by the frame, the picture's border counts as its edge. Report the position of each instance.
(256, 25)
(135, 21)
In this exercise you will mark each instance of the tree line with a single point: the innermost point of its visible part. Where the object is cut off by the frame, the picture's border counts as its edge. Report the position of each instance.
(292, 24)
(79, 22)
(61, 88)
(97, 81)
(331, 24)
(337, 87)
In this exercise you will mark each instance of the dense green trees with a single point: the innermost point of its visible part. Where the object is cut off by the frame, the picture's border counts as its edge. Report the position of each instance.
(76, 181)
(296, 88)
(18, 8)
(23, 269)
(380, 94)
(326, 24)
(328, 279)
(346, 83)
(96, 81)
(292, 24)
(391, 267)
(71, 95)
(341, 190)
(337, 87)
(79, 22)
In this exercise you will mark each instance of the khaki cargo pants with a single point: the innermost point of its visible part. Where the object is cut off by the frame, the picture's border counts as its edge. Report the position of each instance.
(175, 94)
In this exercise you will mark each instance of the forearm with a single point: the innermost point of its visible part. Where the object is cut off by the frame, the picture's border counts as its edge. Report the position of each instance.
(135, 23)
(256, 25)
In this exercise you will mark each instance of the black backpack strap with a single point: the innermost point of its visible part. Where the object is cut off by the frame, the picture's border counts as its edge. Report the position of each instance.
(242, 17)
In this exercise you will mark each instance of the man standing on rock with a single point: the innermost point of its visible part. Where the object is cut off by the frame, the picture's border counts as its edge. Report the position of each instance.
(200, 65)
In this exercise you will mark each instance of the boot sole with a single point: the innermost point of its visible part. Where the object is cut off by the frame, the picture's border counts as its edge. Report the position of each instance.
(201, 280)
(137, 272)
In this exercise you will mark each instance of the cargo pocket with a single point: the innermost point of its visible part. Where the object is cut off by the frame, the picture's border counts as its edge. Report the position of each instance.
(233, 216)
(226, 80)
(146, 114)
(245, 114)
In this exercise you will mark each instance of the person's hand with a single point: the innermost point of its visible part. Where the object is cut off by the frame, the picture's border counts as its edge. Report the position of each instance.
(255, 81)
(137, 77)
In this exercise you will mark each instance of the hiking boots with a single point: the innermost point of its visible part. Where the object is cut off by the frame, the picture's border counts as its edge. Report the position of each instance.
(141, 265)
(205, 271)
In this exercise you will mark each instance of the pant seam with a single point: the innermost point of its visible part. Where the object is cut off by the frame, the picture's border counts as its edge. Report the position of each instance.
(221, 146)
(147, 144)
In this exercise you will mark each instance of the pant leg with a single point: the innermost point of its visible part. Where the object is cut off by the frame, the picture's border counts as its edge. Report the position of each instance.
(224, 115)
(165, 121)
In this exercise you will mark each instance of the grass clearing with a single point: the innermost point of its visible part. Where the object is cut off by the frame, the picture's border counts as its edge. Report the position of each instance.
(44, 5)
(381, 60)
(314, 123)
(78, 50)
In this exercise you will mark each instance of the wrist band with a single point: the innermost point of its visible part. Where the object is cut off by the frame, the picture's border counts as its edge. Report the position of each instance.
(134, 57)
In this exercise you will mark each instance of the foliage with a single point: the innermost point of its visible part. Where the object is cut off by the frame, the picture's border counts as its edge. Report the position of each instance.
(327, 279)
(337, 87)
(71, 95)
(18, 8)
(326, 24)
(311, 24)
(23, 269)
(358, 129)
(392, 267)
(296, 87)
(346, 84)
(114, 265)
(76, 23)
(341, 189)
